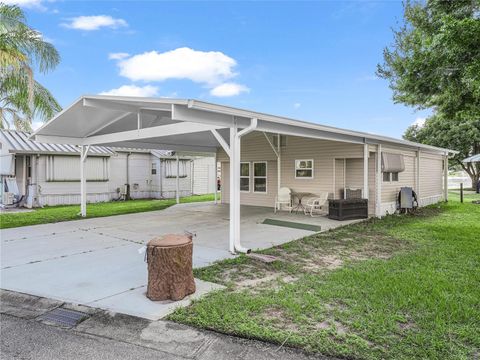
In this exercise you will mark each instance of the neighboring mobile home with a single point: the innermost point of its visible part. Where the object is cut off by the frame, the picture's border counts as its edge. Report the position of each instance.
(259, 153)
(48, 174)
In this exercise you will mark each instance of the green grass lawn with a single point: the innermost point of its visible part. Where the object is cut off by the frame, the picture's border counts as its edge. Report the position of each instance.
(404, 287)
(50, 214)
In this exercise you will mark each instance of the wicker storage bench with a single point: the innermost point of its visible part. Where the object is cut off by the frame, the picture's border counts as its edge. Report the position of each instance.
(348, 209)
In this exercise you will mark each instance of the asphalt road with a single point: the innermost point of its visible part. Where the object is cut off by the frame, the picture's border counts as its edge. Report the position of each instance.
(27, 339)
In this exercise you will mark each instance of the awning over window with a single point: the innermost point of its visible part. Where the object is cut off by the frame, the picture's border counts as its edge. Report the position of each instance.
(392, 162)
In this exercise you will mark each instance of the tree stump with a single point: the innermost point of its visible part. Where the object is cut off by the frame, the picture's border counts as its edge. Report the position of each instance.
(170, 275)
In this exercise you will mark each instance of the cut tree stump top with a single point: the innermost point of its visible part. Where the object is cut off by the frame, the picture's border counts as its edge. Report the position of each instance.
(171, 240)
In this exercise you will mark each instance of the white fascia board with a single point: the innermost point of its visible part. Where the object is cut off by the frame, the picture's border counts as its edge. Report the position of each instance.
(121, 106)
(149, 133)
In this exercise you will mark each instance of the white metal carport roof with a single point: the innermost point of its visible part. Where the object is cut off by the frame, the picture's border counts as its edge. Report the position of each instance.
(192, 125)
(95, 120)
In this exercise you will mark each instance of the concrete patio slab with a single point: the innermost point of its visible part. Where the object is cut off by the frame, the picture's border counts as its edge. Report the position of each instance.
(134, 302)
(96, 262)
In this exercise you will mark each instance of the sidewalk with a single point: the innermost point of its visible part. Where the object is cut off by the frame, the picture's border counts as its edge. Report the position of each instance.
(134, 335)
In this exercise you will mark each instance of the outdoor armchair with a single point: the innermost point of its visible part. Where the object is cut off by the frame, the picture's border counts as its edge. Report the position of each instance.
(284, 198)
(317, 206)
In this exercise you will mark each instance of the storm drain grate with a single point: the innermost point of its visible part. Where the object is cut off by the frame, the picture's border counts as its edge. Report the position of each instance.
(63, 317)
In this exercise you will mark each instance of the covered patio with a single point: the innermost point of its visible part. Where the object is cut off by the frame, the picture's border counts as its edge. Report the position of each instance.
(198, 127)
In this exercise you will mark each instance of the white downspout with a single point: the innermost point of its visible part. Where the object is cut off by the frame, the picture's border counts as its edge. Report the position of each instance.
(235, 191)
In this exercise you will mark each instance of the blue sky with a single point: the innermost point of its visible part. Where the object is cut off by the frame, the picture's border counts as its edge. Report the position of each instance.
(312, 60)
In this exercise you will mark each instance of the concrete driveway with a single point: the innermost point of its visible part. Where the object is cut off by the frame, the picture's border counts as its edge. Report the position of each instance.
(96, 262)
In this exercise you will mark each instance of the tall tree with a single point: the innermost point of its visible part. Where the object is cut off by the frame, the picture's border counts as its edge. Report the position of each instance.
(460, 134)
(23, 49)
(434, 63)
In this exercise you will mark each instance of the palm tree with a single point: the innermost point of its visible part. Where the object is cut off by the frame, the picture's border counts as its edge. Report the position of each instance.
(21, 49)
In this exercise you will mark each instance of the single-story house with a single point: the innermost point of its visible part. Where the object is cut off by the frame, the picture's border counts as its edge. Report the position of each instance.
(48, 174)
(259, 153)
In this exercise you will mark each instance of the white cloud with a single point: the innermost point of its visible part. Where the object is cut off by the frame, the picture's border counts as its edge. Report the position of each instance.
(228, 89)
(30, 4)
(95, 22)
(297, 105)
(420, 122)
(118, 56)
(206, 67)
(133, 90)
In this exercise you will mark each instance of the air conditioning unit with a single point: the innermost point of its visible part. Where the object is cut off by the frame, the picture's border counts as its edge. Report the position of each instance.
(123, 190)
(8, 198)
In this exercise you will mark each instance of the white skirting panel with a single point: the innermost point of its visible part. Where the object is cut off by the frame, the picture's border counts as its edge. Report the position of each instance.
(72, 199)
(430, 200)
(391, 207)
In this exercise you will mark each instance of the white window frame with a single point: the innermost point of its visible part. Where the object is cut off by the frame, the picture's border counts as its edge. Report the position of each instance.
(260, 177)
(246, 177)
(304, 177)
(390, 176)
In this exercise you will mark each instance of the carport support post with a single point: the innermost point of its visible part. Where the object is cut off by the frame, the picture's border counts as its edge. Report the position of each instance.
(177, 183)
(445, 178)
(234, 164)
(215, 185)
(365, 171)
(83, 180)
(378, 185)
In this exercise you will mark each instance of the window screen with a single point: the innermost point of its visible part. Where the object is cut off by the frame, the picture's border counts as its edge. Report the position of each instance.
(260, 177)
(304, 169)
(245, 176)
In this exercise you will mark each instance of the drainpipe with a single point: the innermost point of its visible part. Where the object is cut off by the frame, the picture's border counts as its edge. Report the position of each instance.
(235, 200)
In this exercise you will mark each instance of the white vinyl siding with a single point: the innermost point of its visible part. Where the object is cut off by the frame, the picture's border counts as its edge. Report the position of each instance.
(67, 168)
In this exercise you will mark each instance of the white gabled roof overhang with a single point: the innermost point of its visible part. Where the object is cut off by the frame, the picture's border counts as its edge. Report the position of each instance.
(181, 125)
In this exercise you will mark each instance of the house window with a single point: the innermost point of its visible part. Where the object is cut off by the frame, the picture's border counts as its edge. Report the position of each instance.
(154, 168)
(390, 176)
(65, 168)
(303, 169)
(171, 168)
(386, 177)
(260, 177)
(245, 176)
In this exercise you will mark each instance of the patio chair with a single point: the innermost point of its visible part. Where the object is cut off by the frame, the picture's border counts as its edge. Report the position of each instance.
(317, 206)
(284, 197)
